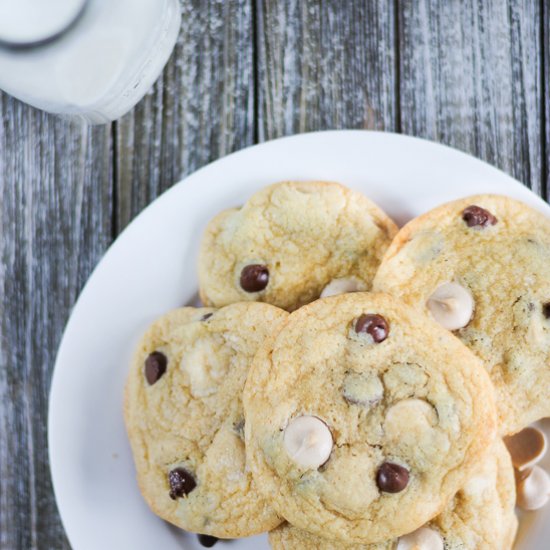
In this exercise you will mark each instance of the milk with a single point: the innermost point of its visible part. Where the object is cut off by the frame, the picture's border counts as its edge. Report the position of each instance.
(93, 59)
(31, 21)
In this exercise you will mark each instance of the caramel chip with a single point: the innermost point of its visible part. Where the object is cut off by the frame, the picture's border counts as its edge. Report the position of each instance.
(526, 447)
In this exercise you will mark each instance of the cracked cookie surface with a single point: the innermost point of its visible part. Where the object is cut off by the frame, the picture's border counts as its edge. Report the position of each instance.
(185, 420)
(289, 241)
(498, 251)
(480, 515)
(407, 408)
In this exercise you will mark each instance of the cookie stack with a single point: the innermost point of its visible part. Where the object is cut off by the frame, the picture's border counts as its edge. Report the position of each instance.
(348, 385)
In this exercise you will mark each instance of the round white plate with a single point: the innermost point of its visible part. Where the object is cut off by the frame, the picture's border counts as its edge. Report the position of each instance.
(151, 268)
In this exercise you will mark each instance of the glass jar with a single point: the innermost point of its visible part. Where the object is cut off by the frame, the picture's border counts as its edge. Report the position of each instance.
(92, 59)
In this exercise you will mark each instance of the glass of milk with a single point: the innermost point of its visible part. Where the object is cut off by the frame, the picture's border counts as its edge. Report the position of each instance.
(91, 59)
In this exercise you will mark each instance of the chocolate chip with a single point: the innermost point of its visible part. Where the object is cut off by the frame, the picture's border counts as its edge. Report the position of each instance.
(207, 541)
(373, 324)
(181, 483)
(254, 277)
(155, 366)
(546, 310)
(392, 478)
(475, 216)
(206, 316)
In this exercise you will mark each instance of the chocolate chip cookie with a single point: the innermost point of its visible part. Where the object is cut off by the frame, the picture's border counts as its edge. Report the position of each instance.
(185, 418)
(290, 243)
(364, 418)
(481, 515)
(480, 266)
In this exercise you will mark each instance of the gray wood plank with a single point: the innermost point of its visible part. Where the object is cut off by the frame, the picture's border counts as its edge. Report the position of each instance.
(470, 77)
(201, 108)
(55, 223)
(325, 65)
(546, 96)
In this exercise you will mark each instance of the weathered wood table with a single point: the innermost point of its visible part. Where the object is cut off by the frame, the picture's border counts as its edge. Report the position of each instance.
(474, 74)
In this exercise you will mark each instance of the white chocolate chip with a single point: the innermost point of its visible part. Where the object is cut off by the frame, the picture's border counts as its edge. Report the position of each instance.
(526, 447)
(408, 419)
(204, 365)
(421, 539)
(342, 286)
(364, 389)
(451, 305)
(533, 492)
(308, 441)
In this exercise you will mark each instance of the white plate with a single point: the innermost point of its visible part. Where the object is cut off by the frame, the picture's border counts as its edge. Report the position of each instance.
(151, 268)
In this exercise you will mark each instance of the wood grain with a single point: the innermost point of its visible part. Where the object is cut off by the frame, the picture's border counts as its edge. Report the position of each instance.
(470, 77)
(55, 223)
(325, 65)
(200, 109)
(545, 40)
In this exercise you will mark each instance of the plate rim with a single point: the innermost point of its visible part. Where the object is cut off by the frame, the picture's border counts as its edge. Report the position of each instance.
(150, 208)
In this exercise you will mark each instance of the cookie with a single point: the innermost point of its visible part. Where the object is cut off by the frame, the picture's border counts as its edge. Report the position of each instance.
(481, 515)
(481, 267)
(289, 242)
(185, 419)
(364, 418)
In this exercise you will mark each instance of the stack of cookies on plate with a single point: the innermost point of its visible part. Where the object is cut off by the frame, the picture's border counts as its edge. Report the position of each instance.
(348, 385)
